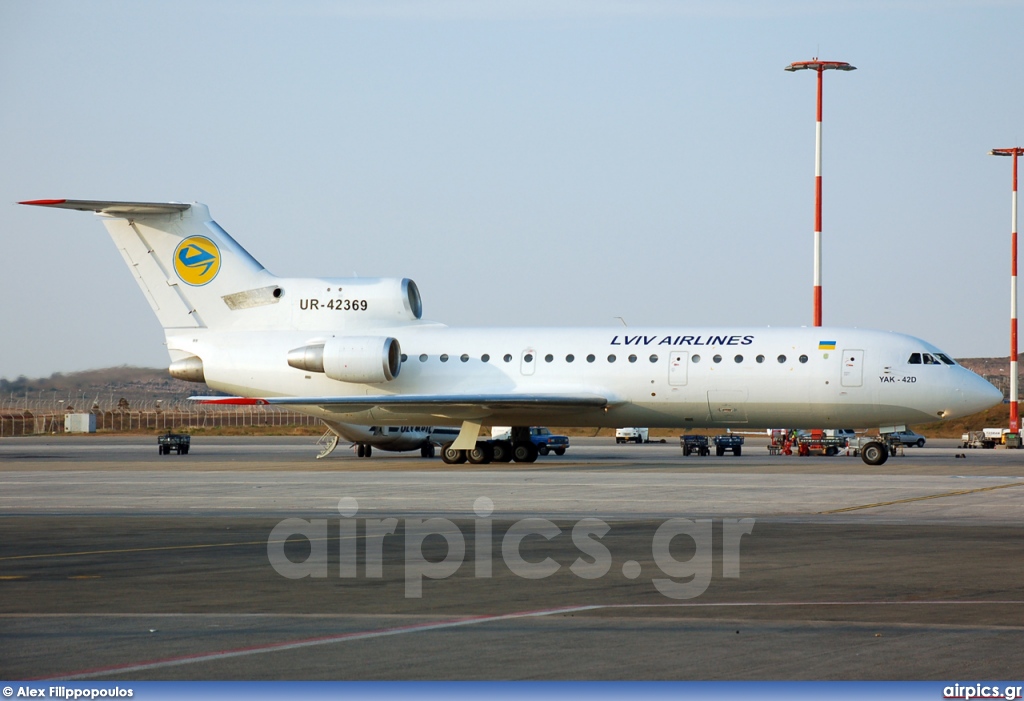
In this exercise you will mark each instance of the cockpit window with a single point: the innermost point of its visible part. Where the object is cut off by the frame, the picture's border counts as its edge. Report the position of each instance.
(915, 359)
(946, 359)
(929, 360)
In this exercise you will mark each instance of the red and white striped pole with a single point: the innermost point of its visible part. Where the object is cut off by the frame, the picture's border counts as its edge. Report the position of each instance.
(1014, 418)
(820, 67)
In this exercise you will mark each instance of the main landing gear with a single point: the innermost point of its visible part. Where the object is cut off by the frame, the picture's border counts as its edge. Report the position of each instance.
(874, 453)
(490, 451)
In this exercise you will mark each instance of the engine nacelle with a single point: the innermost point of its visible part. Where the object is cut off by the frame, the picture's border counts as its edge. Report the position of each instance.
(189, 368)
(362, 359)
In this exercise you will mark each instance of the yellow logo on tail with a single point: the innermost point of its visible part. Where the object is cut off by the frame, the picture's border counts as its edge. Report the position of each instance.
(197, 260)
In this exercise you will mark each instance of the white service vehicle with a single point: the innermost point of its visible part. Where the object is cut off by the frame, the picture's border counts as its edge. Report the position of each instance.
(357, 351)
(632, 435)
(996, 434)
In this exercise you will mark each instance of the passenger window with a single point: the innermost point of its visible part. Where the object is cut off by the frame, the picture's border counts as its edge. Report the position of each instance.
(404, 357)
(444, 357)
(803, 358)
(569, 358)
(717, 358)
(632, 358)
(528, 358)
(423, 358)
(782, 358)
(548, 358)
(485, 358)
(654, 358)
(507, 358)
(611, 358)
(738, 358)
(464, 358)
(760, 359)
(696, 358)
(591, 358)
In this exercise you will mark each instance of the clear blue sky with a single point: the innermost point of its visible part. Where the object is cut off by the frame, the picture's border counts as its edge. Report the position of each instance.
(556, 163)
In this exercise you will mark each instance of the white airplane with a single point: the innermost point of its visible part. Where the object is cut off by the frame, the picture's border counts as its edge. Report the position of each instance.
(364, 439)
(356, 351)
(396, 439)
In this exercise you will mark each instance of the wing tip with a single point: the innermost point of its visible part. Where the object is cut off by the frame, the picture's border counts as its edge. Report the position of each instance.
(43, 203)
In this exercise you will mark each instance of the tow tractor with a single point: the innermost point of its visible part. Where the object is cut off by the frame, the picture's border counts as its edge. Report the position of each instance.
(178, 442)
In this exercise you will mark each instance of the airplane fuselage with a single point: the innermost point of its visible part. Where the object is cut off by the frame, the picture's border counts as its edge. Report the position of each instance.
(657, 377)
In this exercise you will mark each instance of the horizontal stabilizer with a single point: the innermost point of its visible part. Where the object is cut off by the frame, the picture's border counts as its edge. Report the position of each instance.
(114, 208)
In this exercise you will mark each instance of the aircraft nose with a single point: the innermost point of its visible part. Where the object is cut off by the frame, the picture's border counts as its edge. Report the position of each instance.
(977, 394)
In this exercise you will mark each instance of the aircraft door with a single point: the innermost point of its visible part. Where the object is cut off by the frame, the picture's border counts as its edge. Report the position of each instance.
(528, 361)
(853, 368)
(677, 367)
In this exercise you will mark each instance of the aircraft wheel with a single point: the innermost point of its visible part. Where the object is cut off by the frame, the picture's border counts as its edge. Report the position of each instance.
(369, 450)
(361, 450)
(542, 450)
(524, 452)
(874, 453)
(451, 456)
(501, 451)
(480, 455)
(559, 451)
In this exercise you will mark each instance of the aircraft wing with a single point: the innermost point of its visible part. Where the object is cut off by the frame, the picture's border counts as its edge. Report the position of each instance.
(433, 403)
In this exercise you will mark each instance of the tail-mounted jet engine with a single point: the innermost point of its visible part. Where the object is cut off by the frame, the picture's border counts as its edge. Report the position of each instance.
(362, 359)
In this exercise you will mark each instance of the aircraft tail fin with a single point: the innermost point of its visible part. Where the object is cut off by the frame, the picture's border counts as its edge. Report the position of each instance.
(190, 270)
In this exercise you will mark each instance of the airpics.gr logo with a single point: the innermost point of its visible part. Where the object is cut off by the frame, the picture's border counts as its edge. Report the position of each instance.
(197, 260)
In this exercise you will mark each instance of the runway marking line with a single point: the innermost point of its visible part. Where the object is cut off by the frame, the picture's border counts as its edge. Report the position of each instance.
(310, 642)
(958, 493)
(461, 622)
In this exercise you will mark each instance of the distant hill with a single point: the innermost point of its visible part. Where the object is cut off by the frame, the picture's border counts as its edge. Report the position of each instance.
(140, 387)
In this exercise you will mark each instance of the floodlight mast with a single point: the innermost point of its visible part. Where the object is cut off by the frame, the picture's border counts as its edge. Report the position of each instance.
(1014, 418)
(820, 67)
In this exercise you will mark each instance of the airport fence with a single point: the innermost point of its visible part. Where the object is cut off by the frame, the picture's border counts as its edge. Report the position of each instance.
(27, 422)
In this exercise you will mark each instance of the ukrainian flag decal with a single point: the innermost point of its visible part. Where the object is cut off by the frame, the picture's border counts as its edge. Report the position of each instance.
(197, 260)
(826, 345)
